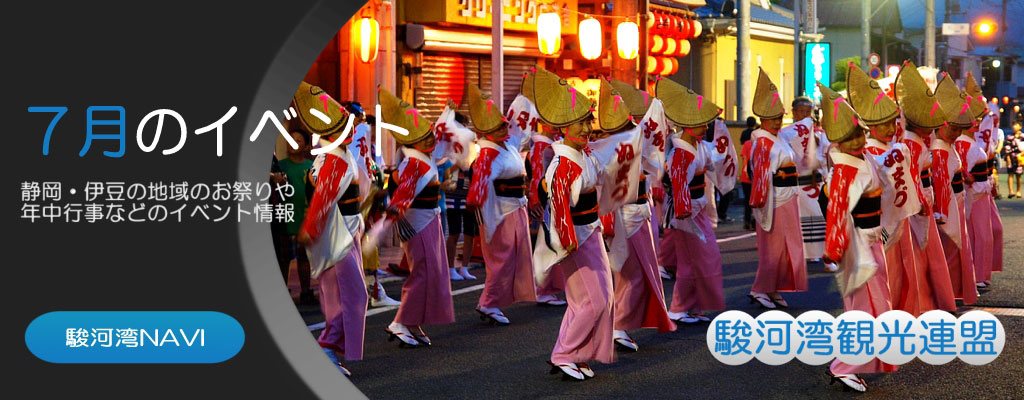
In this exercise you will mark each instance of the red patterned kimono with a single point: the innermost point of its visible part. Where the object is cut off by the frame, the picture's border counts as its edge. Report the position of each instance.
(571, 241)
(498, 192)
(911, 288)
(983, 223)
(853, 239)
(334, 226)
(948, 186)
(540, 156)
(698, 286)
(925, 239)
(427, 292)
(780, 244)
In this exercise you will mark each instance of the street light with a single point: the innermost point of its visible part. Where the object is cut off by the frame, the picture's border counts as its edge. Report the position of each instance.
(996, 63)
(985, 28)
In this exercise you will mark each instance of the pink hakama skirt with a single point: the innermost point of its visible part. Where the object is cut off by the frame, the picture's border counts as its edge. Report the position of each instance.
(997, 237)
(639, 294)
(918, 281)
(509, 263)
(981, 228)
(586, 331)
(427, 292)
(698, 286)
(343, 301)
(961, 263)
(780, 253)
(666, 256)
(872, 298)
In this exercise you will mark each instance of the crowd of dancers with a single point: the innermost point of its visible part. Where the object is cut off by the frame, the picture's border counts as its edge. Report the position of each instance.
(891, 190)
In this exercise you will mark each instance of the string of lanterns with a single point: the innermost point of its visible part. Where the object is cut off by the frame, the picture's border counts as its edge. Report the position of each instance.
(668, 37)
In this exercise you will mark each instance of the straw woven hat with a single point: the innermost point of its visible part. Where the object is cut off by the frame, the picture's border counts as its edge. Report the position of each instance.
(483, 112)
(975, 100)
(526, 88)
(918, 101)
(612, 111)
(559, 104)
(953, 102)
(767, 103)
(308, 97)
(839, 120)
(868, 98)
(636, 100)
(685, 107)
(396, 112)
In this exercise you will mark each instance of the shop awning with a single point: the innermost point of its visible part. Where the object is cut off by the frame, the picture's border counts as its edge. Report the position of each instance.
(424, 38)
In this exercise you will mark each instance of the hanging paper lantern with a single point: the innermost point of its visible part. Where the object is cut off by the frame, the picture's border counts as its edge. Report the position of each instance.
(684, 48)
(367, 31)
(670, 46)
(668, 66)
(657, 44)
(549, 33)
(628, 40)
(652, 64)
(687, 29)
(591, 38)
(697, 29)
(680, 27)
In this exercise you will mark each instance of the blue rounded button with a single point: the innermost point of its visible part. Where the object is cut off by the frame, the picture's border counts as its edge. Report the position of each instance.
(134, 337)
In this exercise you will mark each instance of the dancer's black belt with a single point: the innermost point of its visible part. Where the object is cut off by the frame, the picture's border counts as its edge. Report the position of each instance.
(697, 186)
(585, 210)
(785, 176)
(809, 179)
(958, 182)
(926, 179)
(511, 187)
(348, 204)
(981, 172)
(428, 198)
(867, 213)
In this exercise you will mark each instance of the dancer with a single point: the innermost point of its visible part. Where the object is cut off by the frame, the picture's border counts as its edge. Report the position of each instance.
(332, 230)
(540, 156)
(801, 137)
(498, 194)
(698, 285)
(571, 239)
(948, 182)
(780, 246)
(639, 295)
(984, 224)
(426, 293)
(909, 288)
(853, 237)
(931, 288)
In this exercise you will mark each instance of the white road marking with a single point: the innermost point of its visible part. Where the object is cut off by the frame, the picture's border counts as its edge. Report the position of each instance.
(474, 288)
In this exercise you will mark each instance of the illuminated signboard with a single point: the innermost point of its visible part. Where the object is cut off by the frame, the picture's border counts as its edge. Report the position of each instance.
(817, 68)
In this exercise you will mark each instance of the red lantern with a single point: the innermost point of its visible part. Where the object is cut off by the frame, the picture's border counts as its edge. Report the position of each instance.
(652, 64)
(687, 29)
(657, 44)
(668, 66)
(671, 46)
(684, 48)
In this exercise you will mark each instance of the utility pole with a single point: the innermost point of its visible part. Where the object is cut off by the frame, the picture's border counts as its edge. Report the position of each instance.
(865, 32)
(497, 55)
(743, 83)
(797, 6)
(929, 33)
